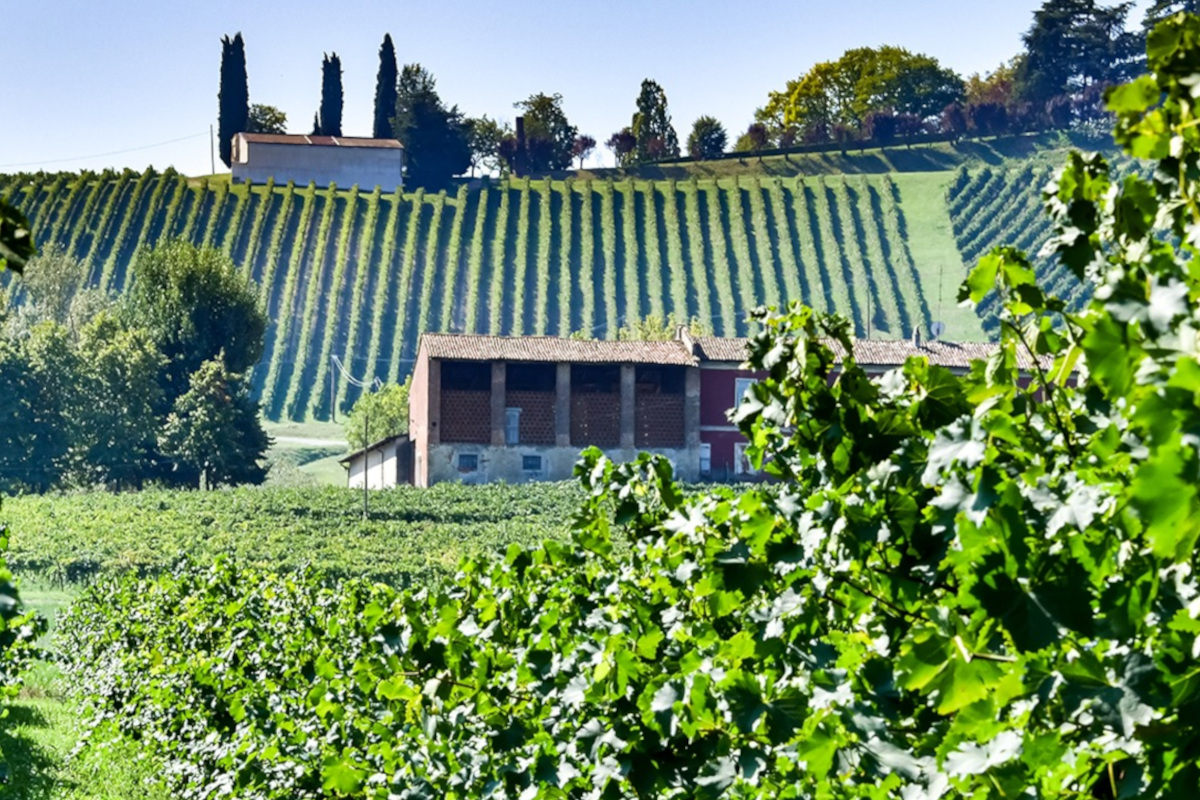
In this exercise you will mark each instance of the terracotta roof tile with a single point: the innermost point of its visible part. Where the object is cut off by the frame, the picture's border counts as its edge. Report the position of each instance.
(549, 349)
(873, 352)
(470, 347)
(326, 141)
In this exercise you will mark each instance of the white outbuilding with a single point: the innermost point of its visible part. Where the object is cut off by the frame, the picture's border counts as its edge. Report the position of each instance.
(343, 160)
(381, 465)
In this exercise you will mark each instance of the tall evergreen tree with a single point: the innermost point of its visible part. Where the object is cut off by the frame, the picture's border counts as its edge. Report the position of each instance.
(385, 90)
(330, 117)
(652, 128)
(1074, 44)
(233, 97)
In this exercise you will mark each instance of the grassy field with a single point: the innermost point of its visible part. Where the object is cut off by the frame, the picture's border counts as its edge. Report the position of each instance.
(306, 453)
(872, 234)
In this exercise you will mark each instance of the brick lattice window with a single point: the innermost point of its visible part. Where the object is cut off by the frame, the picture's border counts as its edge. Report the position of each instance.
(466, 416)
(537, 415)
(658, 419)
(596, 419)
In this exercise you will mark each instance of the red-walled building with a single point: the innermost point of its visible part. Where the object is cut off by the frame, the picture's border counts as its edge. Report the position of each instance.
(487, 408)
(723, 382)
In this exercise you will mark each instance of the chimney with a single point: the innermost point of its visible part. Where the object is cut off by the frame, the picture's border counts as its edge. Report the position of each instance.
(916, 337)
(685, 337)
(519, 159)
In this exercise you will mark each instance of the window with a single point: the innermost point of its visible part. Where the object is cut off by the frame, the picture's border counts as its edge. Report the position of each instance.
(531, 463)
(740, 387)
(468, 462)
(512, 425)
(705, 458)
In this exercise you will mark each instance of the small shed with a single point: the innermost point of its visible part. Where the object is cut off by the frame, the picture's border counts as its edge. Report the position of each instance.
(380, 465)
(343, 160)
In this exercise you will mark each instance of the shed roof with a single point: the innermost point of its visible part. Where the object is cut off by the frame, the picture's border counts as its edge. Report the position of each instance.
(551, 349)
(323, 141)
(346, 459)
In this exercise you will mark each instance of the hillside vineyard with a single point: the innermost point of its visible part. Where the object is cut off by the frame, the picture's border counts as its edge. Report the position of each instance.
(359, 275)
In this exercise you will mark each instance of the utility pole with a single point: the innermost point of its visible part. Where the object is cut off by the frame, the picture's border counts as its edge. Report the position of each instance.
(367, 464)
(332, 391)
(212, 149)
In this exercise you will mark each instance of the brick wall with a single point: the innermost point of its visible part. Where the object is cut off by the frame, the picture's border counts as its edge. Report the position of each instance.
(595, 419)
(658, 420)
(466, 416)
(537, 415)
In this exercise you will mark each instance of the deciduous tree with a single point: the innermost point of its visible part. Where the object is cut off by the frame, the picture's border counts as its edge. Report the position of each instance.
(622, 144)
(549, 136)
(196, 306)
(484, 136)
(378, 415)
(266, 119)
(582, 148)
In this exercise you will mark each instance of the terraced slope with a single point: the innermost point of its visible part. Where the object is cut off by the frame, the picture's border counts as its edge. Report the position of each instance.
(359, 274)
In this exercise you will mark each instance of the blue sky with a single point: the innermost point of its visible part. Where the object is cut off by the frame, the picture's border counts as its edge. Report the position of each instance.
(85, 80)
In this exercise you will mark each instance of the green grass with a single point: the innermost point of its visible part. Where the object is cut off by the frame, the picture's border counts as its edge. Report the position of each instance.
(935, 255)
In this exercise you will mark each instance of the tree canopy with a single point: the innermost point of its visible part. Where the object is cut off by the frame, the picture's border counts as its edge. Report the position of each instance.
(1074, 44)
(862, 81)
(549, 136)
(708, 138)
(196, 306)
(378, 415)
(435, 138)
(266, 119)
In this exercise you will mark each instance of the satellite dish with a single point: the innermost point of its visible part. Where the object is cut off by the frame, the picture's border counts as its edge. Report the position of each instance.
(936, 329)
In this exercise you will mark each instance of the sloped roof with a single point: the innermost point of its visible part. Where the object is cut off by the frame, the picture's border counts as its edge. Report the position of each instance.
(553, 350)
(324, 141)
(873, 352)
(346, 459)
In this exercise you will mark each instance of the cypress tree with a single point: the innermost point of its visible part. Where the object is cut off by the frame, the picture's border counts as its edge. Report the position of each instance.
(233, 97)
(331, 96)
(385, 90)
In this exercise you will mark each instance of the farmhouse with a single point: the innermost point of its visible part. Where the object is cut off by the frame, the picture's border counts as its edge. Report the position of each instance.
(515, 409)
(343, 160)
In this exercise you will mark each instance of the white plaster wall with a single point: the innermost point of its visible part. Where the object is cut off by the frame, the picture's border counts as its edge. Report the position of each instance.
(366, 167)
(380, 468)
